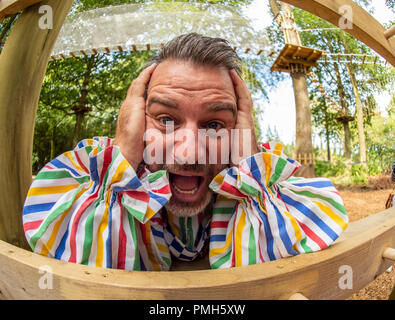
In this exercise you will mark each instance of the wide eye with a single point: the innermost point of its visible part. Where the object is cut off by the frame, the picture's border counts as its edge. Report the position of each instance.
(166, 121)
(214, 125)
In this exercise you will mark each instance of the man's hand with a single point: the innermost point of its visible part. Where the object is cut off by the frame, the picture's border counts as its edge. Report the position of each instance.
(131, 120)
(245, 119)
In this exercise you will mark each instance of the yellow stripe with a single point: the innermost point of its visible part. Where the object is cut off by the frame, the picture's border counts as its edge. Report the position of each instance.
(39, 191)
(295, 226)
(104, 221)
(149, 246)
(149, 214)
(102, 227)
(239, 238)
(217, 251)
(49, 244)
(339, 221)
(69, 156)
(173, 227)
(278, 149)
(122, 167)
(218, 179)
(267, 160)
(162, 248)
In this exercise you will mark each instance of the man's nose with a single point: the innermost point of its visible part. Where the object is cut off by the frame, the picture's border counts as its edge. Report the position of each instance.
(188, 146)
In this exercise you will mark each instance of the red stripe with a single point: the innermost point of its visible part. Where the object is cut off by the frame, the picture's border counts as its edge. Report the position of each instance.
(313, 236)
(106, 162)
(80, 162)
(121, 239)
(219, 224)
(231, 190)
(32, 225)
(74, 227)
(138, 195)
(163, 190)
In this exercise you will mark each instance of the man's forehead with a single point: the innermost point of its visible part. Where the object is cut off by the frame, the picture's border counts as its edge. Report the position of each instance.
(189, 76)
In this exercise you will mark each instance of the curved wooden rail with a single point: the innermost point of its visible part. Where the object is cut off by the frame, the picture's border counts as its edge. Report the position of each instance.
(315, 275)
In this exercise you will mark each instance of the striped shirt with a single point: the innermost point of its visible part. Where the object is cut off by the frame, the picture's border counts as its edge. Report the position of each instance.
(89, 206)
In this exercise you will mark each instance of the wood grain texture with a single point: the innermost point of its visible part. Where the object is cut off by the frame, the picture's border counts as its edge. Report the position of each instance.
(365, 27)
(22, 68)
(10, 7)
(314, 275)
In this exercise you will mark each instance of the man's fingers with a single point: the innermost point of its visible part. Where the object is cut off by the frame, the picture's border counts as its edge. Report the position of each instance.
(242, 92)
(139, 85)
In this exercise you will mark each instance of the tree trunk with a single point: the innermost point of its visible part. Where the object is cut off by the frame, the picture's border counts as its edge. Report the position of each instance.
(328, 144)
(359, 108)
(303, 142)
(23, 63)
(343, 103)
(82, 108)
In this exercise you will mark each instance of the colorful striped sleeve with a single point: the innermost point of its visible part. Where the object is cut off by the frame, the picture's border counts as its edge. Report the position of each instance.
(274, 215)
(86, 205)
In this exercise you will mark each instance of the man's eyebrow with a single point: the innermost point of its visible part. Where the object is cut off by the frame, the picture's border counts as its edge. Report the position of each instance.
(164, 102)
(216, 107)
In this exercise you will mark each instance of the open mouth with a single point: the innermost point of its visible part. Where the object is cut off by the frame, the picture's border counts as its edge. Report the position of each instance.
(186, 187)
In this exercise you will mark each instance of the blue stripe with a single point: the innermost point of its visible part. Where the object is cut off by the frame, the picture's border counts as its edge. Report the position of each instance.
(60, 165)
(316, 184)
(38, 207)
(157, 233)
(108, 241)
(62, 245)
(283, 233)
(311, 215)
(93, 169)
(218, 237)
(162, 200)
(268, 232)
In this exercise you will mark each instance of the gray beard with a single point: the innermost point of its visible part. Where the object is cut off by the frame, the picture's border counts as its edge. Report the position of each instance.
(182, 209)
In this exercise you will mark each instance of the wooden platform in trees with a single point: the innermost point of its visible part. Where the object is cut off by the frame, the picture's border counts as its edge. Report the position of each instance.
(296, 55)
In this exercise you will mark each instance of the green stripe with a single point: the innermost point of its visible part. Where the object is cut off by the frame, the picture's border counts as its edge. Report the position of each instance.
(190, 233)
(221, 261)
(251, 248)
(278, 170)
(53, 175)
(88, 239)
(182, 230)
(248, 189)
(156, 175)
(88, 150)
(309, 194)
(305, 247)
(167, 261)
(223, 210)
(52, 217)
(132, 226)
(136, 214)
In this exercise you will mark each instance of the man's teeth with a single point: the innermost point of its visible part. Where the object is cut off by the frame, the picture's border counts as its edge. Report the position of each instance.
(185, 191)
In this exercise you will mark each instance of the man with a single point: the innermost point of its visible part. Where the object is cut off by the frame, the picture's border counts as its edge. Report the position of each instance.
(183, 178)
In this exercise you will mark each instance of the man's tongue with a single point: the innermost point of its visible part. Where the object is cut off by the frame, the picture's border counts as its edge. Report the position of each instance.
(186, 183)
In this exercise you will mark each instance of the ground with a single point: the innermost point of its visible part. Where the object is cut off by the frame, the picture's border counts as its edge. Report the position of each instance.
(361, 202)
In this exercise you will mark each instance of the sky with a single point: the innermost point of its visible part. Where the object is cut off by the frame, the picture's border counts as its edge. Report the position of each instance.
(279, 112)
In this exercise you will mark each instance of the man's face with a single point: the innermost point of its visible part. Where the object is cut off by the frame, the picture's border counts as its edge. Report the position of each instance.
(182, 99)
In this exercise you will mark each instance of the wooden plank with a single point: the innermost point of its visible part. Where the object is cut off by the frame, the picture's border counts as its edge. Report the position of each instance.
(22, 69)
(10, 7)
(315, 275)
(365, 27)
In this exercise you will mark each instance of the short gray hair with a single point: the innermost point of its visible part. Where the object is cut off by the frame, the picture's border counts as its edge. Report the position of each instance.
(200, 50)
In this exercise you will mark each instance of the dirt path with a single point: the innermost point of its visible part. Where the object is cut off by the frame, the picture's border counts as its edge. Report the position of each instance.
(360, 203)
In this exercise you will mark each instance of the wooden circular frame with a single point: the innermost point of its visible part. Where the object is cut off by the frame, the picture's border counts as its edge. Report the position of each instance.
(364, 247)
